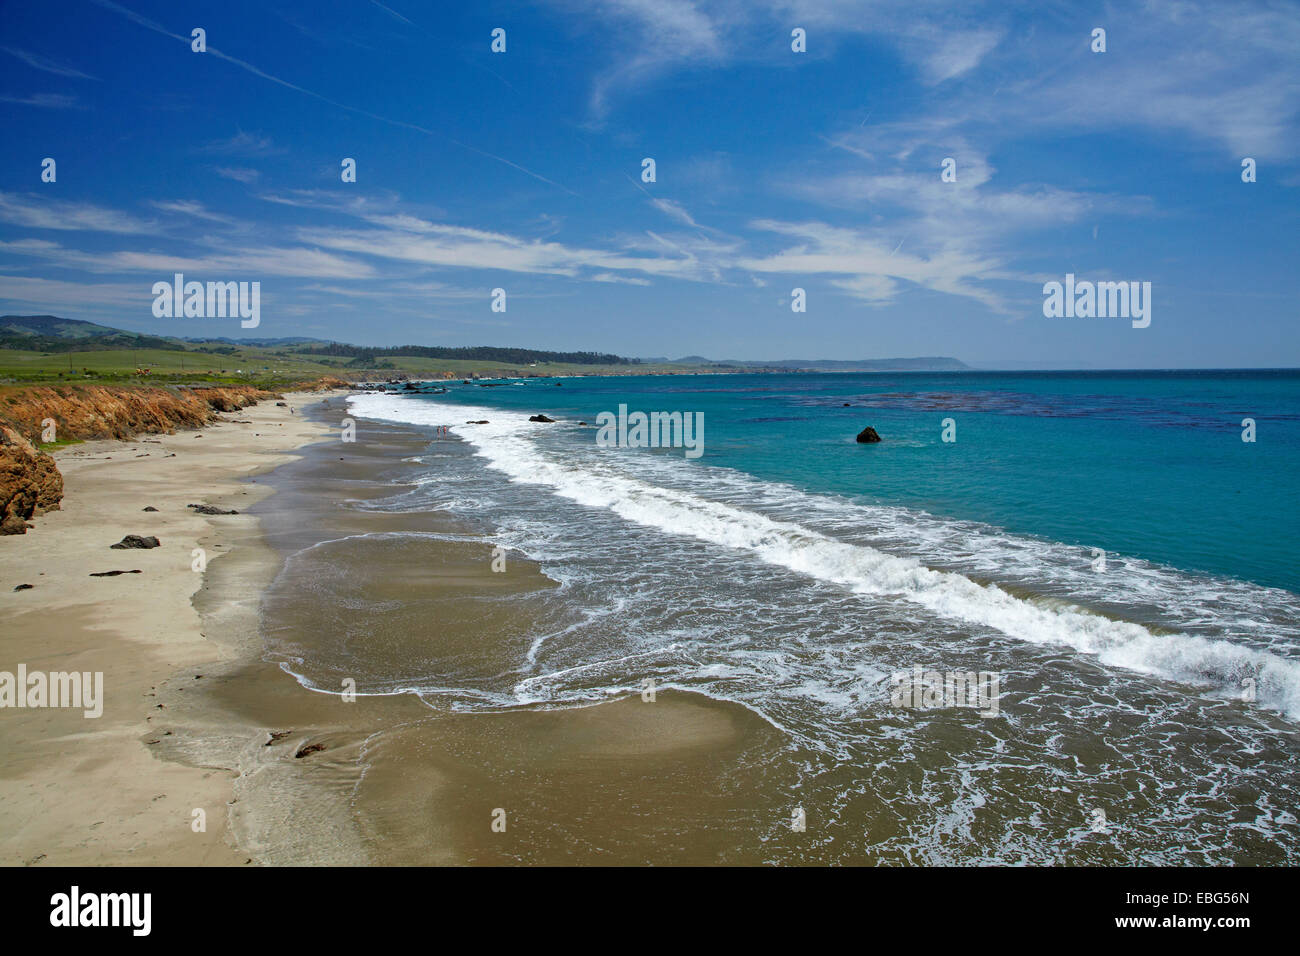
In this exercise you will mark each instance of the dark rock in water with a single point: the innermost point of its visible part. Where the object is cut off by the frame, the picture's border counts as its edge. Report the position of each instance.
(540, 418)
(846, 404)
(281, 404)
(209, 510)
(309, 749)
(149, 508)
(480, 422)
(558, 384)
(24, 587)
(136, 541)
(112, 574)
(868, 434)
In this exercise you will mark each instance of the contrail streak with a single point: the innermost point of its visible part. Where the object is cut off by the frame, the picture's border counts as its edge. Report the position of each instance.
(212, 51)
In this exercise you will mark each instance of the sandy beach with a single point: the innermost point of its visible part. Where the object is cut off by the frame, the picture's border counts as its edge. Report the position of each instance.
(87, 791)
(350, 678)
(198, 717)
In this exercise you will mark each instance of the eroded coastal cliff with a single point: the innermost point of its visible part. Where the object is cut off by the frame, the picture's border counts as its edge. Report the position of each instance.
(30, 483)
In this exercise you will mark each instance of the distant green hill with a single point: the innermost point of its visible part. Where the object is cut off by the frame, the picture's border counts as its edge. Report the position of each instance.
(49, 333)
(51, 326)
(365, 356)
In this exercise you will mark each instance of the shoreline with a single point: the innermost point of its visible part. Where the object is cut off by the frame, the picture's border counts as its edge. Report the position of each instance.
(201, 713)
(75, 791)
(393, 593)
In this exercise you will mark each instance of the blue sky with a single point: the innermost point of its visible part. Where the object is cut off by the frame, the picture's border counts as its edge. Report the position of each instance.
(522, 170)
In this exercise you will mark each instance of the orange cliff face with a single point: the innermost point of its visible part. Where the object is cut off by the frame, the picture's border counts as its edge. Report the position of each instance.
(30, 483)
(88, 412)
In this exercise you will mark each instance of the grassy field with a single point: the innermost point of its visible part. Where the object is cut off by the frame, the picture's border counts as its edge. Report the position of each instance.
(244, 365)
(266, 367)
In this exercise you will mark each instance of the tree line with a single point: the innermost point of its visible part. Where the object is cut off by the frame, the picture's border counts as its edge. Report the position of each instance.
(478, 353)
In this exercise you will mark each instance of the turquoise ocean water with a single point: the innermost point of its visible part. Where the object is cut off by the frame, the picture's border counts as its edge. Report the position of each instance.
(797, 573)
(1143, 464)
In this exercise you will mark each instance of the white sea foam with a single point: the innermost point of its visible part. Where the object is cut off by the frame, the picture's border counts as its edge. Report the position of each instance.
(519, 449)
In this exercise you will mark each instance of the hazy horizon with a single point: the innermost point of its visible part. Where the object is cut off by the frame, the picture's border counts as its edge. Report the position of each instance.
(1046, 365)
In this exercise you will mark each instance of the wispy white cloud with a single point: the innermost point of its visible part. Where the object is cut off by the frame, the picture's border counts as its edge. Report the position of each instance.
(49, 101)
(36, 212)
(661, 34)
(945, 55)
(674, 210)
(378, 207)
(56, 295)
(901, 175)
(1222, 73)
(1227, 75)
(624, 280)
(966, 227)
(293, 262)
(649, 39)
(239, 174)
(242, 144)
(864, 266)
(465, 248)
(192, 209)
(44, 63)
(411, 290)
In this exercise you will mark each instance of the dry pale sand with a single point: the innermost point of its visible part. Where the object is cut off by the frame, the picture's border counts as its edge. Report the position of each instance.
(75, 790)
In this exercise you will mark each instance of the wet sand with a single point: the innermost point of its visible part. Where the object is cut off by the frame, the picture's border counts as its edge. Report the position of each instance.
(405, 781)
(200, 715)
